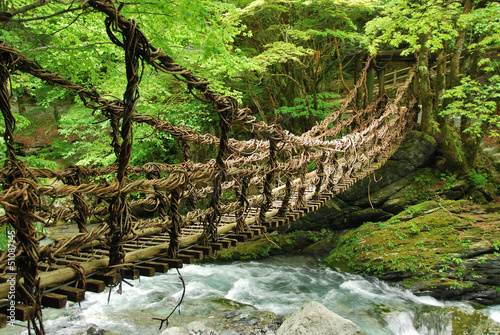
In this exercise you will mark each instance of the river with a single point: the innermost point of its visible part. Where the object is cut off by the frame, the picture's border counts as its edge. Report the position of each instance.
(279, 284)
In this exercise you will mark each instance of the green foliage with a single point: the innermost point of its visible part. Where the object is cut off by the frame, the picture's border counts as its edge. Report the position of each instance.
(281, 52)
(304, 107)
(402, 22)
(41, 232)
(476, 101)
(448, 179)
(20, 124)
(4, 238)
(478, 177)
(199, 34)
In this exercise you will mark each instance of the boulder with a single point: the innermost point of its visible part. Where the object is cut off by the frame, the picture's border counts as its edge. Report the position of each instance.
(357, 218)
(329, 216)
(379, 197)
(416, 151)
(175, 331)
(314, 318)
(447, 249)
(460, 320)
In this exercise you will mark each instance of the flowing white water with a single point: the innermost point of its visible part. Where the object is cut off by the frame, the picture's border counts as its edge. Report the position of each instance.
(281, 285)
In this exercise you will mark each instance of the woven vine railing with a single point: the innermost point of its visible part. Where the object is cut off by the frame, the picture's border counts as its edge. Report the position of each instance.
(245, 174)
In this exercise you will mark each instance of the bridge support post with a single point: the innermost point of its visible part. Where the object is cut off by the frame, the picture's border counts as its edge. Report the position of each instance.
(358, 69)
(20, 213)
(370, 84)
(381, 82)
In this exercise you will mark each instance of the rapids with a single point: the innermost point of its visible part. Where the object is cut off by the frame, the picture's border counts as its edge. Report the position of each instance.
(279, 284)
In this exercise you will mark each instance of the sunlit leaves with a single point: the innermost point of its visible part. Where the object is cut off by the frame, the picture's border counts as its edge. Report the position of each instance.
(477, 102)
(403, 21)
(281, 52)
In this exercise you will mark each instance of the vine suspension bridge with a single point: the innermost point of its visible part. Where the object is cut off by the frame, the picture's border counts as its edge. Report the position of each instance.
(200, 207)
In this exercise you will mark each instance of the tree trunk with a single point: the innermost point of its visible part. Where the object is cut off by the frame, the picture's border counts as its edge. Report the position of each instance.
(471, 142)
(370, 84)
(459, 151)
(381, 82)
(358, 67)
(425, 87)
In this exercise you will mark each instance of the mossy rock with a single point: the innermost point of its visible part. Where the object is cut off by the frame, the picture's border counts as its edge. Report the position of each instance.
(271, 245)
(433, 247)
(460, 320)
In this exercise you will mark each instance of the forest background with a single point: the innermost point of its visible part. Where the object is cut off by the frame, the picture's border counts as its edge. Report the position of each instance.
(287, 60)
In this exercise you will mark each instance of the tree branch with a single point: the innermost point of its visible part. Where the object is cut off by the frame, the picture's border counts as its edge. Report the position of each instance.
(8, 15)
(47, 16)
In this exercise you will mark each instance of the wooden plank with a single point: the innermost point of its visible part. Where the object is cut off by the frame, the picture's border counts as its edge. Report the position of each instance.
(197, 254)
(217, 246)
(188, 259)
(109, 280)
(238, 237)
(207, 250)
(262, 229)
(270, 224)
(54, 300)
(146, 271)
(159, 267)
(225, 243)
(73, 293)
(256, 231)
(233, 242)
(95, 285)
(172, 263)
(3, 320)
(248, 234)
(23, 312)
(130, 274)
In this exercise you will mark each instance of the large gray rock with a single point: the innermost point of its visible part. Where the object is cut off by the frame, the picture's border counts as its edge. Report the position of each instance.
(175, 331)
(357, 218)
(382, 195)
(315, 319)
(416, 151)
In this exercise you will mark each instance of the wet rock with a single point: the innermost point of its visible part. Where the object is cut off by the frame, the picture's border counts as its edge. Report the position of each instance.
(402, 199)
(95, 330)
(314, 318)
(382, 195)
(330, 216)
(230, 332)
(390, 173)
(459, 320)
(200, 328)
(447, 249)
(175, 331)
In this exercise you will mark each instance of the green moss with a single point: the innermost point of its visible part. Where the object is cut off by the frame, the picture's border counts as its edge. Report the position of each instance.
(467, 322)
(421, 242)
(272, 245)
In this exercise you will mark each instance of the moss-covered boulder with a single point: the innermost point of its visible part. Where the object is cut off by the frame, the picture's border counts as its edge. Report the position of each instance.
(459, 320)
(447, 249)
